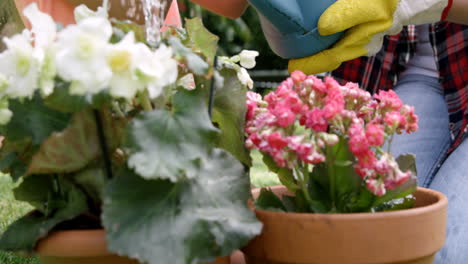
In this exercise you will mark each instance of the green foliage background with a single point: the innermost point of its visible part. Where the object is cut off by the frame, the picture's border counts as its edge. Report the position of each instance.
(236, 35)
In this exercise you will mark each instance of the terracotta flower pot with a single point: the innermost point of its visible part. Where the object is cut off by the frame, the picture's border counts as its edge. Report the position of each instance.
(403, 237)
(83, 247)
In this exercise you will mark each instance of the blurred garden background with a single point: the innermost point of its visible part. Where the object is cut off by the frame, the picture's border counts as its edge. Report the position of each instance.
(235, 35)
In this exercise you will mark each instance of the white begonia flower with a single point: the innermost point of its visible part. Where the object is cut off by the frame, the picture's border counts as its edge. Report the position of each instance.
(45, 33)
(244, 77)
(19, 67)
(157, 68)
(43, 26)
(247, 58)
(122, 59)
(82, 12)
(81, 55)
(5, 116)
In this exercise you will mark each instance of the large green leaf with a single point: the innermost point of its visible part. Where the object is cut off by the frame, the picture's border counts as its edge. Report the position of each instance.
(63, 101)
(92, 181)
(229, 113)
(163, 144)
(347, 181)
(57, 200)
(192, 221)
(201, 39)
(33, 119)
(15, 156)
(77, 145)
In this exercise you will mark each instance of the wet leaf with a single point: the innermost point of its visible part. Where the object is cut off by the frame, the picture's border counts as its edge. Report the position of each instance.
(163, 144)
(187, 222)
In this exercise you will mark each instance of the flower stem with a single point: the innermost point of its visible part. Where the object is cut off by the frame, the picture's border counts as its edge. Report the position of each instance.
(303, 180)
(390, 143)
(330, 158)
(145, 101)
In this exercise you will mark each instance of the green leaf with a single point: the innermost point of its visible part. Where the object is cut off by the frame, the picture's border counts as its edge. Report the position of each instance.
(289, 203)
(15, 155)
(284, 175)
(407, 162)
(358, 202)
(318, 193)
(63, 101)
(201, 39)
(347, 181)
(92, 181)
(229, 113)
(192, 221)
(41, 192)
(122, 27)
(33, 119)
(163, 144)
(64, 204)
(267, 200)
(77, 145)
(406, 202)
(194, 62)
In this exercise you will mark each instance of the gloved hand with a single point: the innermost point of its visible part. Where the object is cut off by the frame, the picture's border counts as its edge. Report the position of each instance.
(366, 23)
(290, 26)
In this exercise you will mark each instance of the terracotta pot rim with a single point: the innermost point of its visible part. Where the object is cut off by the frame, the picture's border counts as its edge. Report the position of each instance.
(438, 205)
(84, 243)
(73, 243)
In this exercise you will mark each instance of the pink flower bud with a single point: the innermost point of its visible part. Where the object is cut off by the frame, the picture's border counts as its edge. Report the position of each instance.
(377, 187)
(315, 120)
(375, 134)
(298, 77)
(276, 141)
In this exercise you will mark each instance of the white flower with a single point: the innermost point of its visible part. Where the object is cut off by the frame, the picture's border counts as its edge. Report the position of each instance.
(81, 55)
(157, 68)
(19, 67)
(82, 12)
(122, 59)
(247, 58)
(43, 26)
(244, 77)
(5, 116)
(45, 33)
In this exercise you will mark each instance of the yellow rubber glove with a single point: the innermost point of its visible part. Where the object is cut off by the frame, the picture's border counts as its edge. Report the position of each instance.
(366, 23)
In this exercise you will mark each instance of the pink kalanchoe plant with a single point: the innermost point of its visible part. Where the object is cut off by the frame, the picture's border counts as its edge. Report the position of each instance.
(330, 145)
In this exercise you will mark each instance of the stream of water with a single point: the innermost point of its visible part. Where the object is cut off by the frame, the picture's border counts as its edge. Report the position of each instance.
(155, 12)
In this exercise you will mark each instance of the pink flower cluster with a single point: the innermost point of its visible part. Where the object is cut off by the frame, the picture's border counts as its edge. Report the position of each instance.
(295, 123)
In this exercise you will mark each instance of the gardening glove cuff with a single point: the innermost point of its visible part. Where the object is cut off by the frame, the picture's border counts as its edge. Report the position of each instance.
(366, 22)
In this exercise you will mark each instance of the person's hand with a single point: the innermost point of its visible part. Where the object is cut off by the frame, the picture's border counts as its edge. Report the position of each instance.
(60, 10)
(290, 26)
(366, 22)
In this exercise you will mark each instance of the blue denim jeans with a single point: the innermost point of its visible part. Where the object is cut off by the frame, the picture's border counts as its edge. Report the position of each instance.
(436, 170)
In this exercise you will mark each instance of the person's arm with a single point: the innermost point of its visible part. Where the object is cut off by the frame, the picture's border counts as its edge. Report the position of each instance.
(228, 8)
(459, 12)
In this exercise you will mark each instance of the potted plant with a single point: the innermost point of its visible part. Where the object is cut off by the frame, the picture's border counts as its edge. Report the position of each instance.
(123, 149)
(344, 198)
